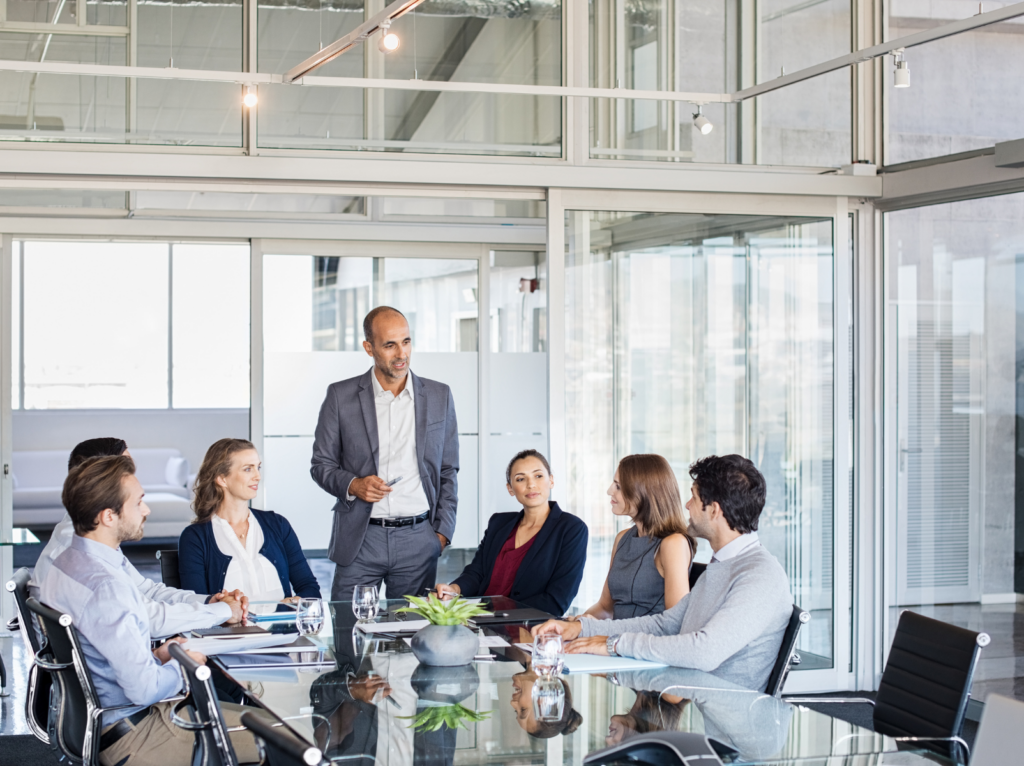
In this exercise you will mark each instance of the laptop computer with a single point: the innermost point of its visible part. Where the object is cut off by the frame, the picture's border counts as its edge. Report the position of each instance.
(1000, 739)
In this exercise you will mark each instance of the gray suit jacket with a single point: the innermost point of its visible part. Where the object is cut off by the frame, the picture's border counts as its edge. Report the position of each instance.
(346, 447)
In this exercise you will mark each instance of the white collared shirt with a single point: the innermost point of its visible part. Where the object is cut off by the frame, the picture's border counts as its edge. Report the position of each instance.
(249, 571)
(396, 456)
(736, 547)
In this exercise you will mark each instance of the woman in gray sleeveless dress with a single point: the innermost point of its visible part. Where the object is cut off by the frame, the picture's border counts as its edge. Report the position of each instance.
(650, 565)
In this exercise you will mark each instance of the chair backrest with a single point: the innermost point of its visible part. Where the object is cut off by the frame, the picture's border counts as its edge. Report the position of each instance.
(696, 570)
(212, 736)
(1000, 738)
(787, 650)
(927, 680)
(280, 745)
(37, 703)
(169, 568)
(76, 692)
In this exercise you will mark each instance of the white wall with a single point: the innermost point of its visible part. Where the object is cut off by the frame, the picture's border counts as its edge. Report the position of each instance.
(191, 431)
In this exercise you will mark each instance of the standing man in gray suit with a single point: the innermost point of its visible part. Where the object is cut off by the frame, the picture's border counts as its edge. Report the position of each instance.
(387, 447)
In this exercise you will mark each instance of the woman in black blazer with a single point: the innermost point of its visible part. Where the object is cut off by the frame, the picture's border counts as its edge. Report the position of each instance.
(535, 556)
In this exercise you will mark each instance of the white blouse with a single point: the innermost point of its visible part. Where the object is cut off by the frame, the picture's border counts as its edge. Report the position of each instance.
(248, 571)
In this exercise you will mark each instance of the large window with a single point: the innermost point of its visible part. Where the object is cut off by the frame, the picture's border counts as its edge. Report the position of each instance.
(692, 335)
(131, 325)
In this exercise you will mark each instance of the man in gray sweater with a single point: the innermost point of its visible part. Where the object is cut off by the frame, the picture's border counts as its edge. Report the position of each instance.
(733, 620)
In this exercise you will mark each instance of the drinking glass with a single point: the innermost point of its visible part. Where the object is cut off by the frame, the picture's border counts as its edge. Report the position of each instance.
(548, 654)
(548, 697)
(365, 602)
(309, 616)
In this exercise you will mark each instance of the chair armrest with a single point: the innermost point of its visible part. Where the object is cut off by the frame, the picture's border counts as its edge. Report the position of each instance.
(829, 700)
(957, 740)
(181, 723)
(53, 667)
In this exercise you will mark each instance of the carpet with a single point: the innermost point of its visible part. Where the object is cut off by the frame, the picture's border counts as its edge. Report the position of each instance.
(26, 750)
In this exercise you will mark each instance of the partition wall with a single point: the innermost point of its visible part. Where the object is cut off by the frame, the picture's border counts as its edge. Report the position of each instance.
(590, 273)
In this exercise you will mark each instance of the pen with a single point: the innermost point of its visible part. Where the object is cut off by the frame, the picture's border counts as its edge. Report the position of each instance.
(393, 482)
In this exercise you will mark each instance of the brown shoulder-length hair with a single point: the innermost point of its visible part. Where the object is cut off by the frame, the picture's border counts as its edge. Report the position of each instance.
(649, 485)
(208, 495)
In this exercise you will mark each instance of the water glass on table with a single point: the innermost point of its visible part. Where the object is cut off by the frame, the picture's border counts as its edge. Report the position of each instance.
(365, 602)
(548, 654)
(309, 616)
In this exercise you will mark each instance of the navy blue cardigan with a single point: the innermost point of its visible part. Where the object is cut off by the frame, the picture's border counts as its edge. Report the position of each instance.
(202, 566)
(551, 571)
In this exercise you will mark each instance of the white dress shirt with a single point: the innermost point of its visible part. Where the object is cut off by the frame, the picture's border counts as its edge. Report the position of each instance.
(736, 547)
(396, 455)
(249, 571)
(171, 610)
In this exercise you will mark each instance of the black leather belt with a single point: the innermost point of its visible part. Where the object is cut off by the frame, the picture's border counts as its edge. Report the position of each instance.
(408, 521)
(123, 727)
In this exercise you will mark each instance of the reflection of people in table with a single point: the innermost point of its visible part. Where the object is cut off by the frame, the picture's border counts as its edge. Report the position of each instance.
(522, 703)
(650, 712)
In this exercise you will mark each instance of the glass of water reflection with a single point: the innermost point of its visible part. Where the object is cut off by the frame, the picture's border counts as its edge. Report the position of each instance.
(548, 654)
(365, 602)
(548, 697)
(309, 616)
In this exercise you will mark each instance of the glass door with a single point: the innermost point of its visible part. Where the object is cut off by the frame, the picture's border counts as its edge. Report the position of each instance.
(696, 334)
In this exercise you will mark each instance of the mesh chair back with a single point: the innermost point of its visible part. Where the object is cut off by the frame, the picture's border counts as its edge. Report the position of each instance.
(927, 681)
(780, 671)
(76, 692)
(212, 736)
(280, 746)
(37, 702)
(169, 568)
(696, 570)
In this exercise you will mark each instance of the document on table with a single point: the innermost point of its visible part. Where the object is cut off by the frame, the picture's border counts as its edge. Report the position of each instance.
(214, 646)
(403, 626)
(594, 663)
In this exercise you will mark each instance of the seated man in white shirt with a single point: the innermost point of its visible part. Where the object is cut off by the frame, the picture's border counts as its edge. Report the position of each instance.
(733, 620)
(90, 581)
(171, 611)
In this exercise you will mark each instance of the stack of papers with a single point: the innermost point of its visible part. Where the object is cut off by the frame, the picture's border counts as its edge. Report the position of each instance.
(236, 644)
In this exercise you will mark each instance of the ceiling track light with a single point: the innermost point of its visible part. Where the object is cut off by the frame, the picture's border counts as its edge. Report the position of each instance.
(389, 41)
(250, 99)
(901, 74)
(700, 122)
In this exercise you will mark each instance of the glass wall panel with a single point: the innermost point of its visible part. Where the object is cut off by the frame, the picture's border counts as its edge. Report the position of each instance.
(210, 295)
(95, 325)
(59, 12)
(313, 309)
(965, 91)
(63, 198)
(717, 48)
(691, 335)
(457, 42)
(957, 286)
(283, 205)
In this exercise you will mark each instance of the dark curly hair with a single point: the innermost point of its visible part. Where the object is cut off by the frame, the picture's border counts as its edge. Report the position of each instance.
(735, 484)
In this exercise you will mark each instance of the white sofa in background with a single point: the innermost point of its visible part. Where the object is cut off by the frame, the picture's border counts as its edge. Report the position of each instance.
(38, 478)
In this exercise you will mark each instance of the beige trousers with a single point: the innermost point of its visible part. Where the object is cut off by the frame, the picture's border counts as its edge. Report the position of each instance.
(155, 741)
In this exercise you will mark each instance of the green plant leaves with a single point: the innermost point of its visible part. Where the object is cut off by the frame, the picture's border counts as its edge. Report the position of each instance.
(458, 611)
(452, 716)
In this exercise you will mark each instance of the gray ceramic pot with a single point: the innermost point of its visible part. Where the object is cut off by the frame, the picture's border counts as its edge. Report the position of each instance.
(446, 685)
(445, 645)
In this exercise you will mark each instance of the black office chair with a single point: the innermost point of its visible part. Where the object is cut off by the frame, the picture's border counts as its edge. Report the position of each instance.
(279, 746)
(37, 701)
(213, 741)
(78, 715)
(926, 685)
(169, 568)
(787, 652)
(696, 570)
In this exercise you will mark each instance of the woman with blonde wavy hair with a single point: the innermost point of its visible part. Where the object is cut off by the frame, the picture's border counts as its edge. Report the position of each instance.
(230, 545)
(650, 566)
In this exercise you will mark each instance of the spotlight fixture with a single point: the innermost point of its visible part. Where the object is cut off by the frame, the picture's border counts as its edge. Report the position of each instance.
(250, 99)
(389, 41)
(702, 123)
(901, 74)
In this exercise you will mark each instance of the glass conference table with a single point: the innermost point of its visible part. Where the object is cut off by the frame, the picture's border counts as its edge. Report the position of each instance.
(365, 700)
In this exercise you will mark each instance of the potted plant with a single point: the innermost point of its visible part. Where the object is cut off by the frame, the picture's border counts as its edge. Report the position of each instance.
(446, 641)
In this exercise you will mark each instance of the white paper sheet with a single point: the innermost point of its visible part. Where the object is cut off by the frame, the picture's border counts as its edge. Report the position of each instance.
(238, 645)
(492, 642)
(406, 626)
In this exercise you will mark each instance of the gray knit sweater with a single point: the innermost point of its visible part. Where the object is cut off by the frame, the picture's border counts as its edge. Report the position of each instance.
(731, 624)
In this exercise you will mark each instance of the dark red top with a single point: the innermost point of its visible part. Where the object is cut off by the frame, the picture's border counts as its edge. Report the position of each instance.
(507, 565)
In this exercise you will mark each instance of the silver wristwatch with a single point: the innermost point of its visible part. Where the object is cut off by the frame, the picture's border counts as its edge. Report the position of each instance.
(610, 643)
